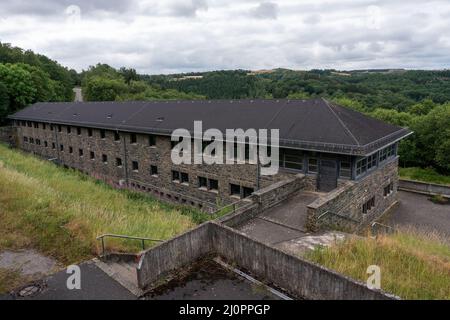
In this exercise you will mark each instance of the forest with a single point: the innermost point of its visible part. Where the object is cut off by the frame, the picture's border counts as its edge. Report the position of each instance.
(416, 99)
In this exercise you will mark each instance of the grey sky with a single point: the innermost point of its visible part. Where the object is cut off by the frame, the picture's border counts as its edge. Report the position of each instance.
(196, 35)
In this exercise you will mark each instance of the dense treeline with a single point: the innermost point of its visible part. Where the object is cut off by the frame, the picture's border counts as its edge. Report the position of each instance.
(419, 100)
(27, 77)
(104, 83)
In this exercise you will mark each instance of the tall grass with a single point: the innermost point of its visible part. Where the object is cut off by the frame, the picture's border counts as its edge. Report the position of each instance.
(425, 175)
(414, 264)
(60, 212)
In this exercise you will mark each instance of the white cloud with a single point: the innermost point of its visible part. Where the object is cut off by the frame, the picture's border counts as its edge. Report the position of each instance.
(195, 35)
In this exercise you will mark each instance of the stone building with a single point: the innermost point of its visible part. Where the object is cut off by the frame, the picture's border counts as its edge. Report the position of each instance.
(128, 144)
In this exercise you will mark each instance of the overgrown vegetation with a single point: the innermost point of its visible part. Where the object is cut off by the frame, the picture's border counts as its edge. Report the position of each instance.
(414, 264)
(11, 279)
(104, 83)
(27, 77)
(60, 212)
(425, 175)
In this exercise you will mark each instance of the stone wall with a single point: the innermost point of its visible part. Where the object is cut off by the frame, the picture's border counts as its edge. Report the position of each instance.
(298, 277)
(345, 203)
(8, 135)
(63, 144)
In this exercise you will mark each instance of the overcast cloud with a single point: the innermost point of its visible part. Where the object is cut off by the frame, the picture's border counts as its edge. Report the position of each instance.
(197, 35)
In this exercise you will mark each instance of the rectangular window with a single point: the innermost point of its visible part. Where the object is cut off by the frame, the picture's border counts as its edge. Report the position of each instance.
(32, 140)
(388, 189)
(372, 161)
(61, 147)
(154, 170)
(247, 192)
(102, 134)
(38, 142)
(51, 127)
(25, 139)
(104, 158)
(292, 159)
(119, 162)
(135, 165)
(92, 155)
(202, 183)
(69, 129)
(213, 184)
(235, 190)
(345, 170)
(151, 140)
(59, 128)
(44, 126)
(53, 145)
(361, 167)
(175, 176)
(70, 150)
(45, 144)
(133, 138)
(29, 124)
(80, 152)
(36, 125)
(89, 132)
(368, 205)
(313, 166)
(184, 177)
(116, 136)
(79, 131)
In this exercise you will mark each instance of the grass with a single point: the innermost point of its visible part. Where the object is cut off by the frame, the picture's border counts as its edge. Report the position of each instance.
(424, 175)
(60, 211)
(414, 264)
(10, 279)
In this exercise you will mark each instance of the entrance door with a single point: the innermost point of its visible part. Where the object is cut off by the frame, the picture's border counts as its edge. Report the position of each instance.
(327, 175)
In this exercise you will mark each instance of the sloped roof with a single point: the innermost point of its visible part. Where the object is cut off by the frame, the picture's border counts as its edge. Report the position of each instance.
(305, 124)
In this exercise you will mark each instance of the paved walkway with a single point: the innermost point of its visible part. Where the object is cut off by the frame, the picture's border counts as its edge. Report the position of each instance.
(416, 210)
(95, 285)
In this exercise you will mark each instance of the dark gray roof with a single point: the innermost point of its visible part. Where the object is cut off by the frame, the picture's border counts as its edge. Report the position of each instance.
(305, 124)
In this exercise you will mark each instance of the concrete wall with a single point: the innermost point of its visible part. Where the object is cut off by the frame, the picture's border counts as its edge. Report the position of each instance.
(174, 254)
(424, 188)
(348, 199)
(298, 277)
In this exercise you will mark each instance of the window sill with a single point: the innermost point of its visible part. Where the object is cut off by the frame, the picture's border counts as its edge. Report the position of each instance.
(235, 196)
(203, 189)
(154, 175)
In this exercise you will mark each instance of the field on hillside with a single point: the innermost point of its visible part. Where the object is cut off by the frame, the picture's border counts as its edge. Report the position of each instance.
(414, 264)
(60, 212)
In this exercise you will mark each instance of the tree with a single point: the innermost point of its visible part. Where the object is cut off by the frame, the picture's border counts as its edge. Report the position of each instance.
(4, 102)
(432, 133)
(401, 119)
(19, 85)
(104, 89)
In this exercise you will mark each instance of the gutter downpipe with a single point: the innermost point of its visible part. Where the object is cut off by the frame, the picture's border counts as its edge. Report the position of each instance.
(125, 158)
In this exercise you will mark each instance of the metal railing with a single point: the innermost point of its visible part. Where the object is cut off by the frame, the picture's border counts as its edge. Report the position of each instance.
(118, 236)
(375, 226)
(337, 215)
(234, 206)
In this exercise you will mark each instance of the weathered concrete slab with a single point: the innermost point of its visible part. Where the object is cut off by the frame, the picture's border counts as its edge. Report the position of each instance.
(28, 262)
(95, 285)
(300, 245)
(293, 211)
(269, 232)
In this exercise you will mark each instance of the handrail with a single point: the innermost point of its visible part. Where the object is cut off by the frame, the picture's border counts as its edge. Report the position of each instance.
(337, 215)
(109, 235)
(389, 228)
(234, 205)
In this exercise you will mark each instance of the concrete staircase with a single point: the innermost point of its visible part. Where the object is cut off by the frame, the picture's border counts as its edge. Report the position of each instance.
(121, 268)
